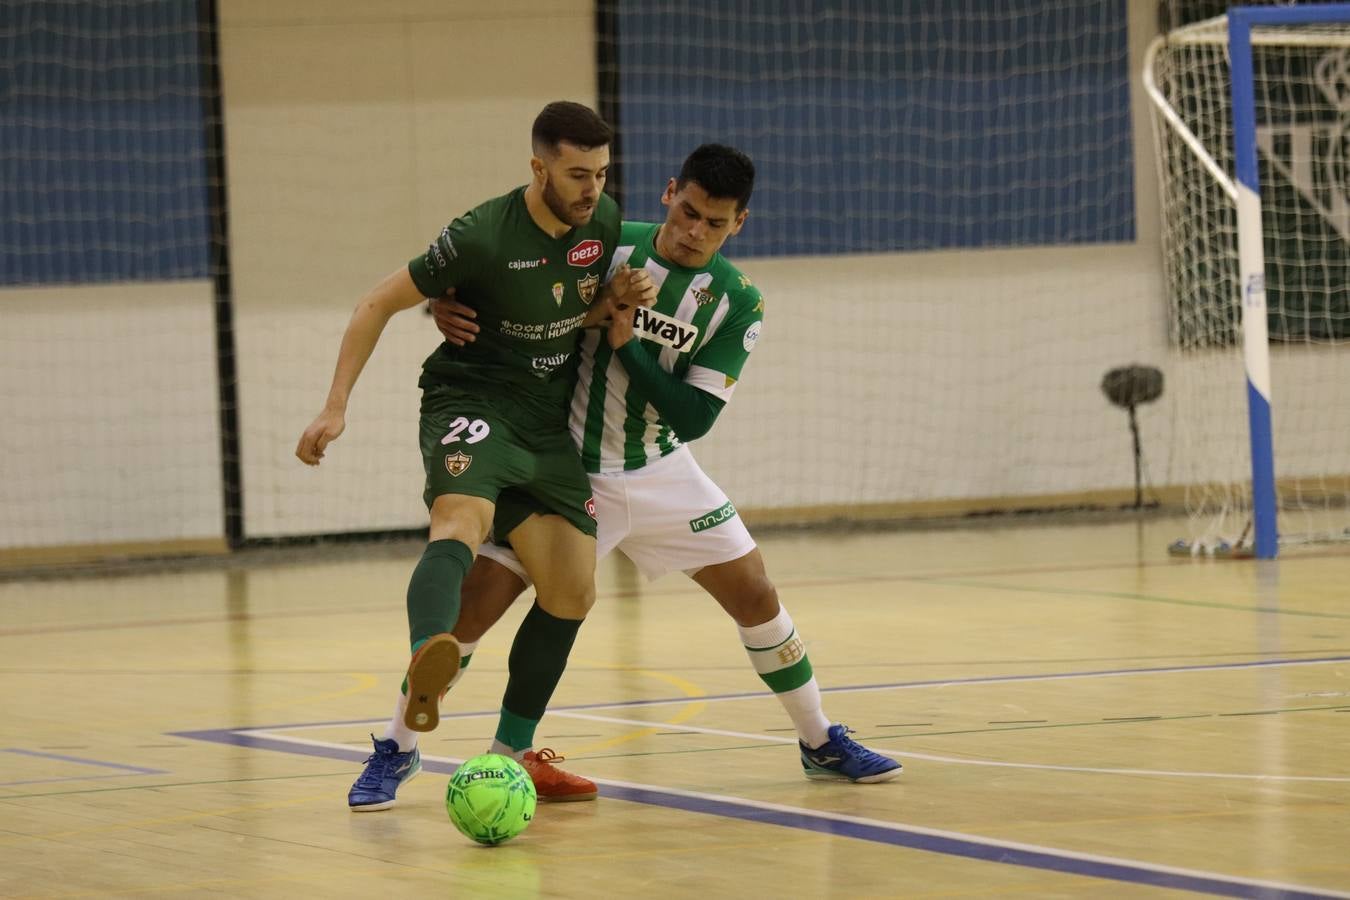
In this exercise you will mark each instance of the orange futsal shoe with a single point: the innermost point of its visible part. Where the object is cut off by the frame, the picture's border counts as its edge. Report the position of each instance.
(552, 783)
(433, 667)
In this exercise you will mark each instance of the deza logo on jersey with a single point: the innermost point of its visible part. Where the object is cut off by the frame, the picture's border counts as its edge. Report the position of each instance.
(663, 329)
(585, 253)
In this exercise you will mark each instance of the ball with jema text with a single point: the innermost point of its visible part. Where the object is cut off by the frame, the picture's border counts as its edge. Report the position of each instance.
(490, 798)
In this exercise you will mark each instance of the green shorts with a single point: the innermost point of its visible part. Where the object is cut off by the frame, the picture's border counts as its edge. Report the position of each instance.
(472, 445)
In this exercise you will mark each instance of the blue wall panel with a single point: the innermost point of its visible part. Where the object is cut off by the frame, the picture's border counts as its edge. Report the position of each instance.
(103, 168)
(888, 126)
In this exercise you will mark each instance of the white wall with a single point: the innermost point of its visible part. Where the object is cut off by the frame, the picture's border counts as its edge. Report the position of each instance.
(108, 415)
(356, 131)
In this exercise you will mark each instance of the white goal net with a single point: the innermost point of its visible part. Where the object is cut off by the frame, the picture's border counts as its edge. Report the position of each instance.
(1301, 79)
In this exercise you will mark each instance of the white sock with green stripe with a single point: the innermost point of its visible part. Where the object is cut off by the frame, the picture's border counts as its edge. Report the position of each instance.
(396, 729)
(779, 656)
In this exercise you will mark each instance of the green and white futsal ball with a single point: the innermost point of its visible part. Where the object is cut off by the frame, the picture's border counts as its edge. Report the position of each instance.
(490, 798)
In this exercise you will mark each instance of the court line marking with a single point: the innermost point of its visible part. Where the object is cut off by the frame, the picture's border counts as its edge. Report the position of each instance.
(8, 784)
(939, 577)
(950, 843)
(136, 770)
(964, 761)
(893, 686)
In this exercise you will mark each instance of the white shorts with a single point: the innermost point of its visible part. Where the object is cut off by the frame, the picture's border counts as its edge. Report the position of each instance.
(668, 515)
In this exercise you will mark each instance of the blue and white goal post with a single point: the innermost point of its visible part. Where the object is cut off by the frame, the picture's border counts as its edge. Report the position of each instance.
(1251, 250)
(1257, 277)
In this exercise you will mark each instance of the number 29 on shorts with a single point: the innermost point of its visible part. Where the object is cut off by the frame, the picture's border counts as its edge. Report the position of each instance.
(473, 431)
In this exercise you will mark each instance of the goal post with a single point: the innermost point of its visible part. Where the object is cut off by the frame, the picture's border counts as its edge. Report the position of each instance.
(1251, 250)
(1264, 89)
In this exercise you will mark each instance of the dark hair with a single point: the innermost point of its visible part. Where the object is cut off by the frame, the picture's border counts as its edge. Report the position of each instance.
(563, 120)
(724, 172)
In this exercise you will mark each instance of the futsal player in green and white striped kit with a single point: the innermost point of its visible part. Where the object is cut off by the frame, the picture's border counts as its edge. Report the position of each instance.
(648, 384)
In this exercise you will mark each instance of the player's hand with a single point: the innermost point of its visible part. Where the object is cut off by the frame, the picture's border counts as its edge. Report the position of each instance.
(621, 327)
(632, 287)
(321, 432)
(454, 319)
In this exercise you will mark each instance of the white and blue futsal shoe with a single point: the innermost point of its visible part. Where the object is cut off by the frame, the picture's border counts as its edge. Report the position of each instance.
(385, 770)
(841, 757)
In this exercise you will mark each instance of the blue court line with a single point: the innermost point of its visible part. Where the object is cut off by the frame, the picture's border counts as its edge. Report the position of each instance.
(893, 834)
(7, 784)
(895, 686)
(136, 770)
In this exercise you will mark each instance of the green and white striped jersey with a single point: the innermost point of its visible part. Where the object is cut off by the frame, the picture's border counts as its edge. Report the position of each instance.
(616, 428)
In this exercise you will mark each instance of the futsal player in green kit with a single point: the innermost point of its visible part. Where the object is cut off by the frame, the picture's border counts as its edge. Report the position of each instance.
(653, 381)
(496, 451)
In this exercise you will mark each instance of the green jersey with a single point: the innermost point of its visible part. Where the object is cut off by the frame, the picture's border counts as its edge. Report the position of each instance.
(711, 321)
(531, 292)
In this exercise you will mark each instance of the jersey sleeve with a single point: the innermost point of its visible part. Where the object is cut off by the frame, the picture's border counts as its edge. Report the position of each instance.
(452, 258)
(717, 364)
(631, 235)
(608, 213)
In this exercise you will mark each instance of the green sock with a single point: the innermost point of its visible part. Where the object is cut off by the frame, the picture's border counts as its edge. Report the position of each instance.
(538, 658)
(433, 591)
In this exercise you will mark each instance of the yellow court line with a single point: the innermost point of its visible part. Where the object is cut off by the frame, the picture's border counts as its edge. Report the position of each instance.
(364, 682)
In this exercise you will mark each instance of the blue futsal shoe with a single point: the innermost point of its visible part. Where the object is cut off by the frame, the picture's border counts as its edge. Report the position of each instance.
(386, 769)
(843, 757)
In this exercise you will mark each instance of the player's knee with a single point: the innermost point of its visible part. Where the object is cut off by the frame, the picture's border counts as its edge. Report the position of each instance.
(460, 518)
(761, 603)
(568, 601)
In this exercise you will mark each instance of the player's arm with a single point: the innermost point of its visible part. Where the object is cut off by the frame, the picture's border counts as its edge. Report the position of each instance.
(627, 287)
(634, 288)
(689, 410)
(396, 292)
(691, 405)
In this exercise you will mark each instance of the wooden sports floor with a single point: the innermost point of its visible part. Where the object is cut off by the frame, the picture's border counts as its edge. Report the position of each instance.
(1079, 716)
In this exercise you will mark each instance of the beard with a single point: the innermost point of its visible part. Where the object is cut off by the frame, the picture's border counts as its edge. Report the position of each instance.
(569, 214)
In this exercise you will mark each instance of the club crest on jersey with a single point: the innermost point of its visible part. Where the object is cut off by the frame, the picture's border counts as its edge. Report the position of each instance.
(586, 287)
(663, 329)
(585, 253)
(703, 296)
(457, 463)
(557, 292)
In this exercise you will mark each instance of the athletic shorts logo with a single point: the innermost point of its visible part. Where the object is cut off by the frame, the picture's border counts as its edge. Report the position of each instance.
(712, 519)
(590, 507)
(751, 336)
(557, 292)
(586, 287)
(585, 253)
(457, 463)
